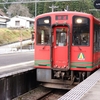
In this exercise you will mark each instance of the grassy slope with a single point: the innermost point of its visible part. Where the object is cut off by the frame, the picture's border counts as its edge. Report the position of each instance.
(13, 35)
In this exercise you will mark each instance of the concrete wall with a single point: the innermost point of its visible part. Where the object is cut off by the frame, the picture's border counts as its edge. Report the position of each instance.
(15, 85)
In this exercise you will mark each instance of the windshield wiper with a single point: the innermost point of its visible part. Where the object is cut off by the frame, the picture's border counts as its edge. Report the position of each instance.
(79, 48)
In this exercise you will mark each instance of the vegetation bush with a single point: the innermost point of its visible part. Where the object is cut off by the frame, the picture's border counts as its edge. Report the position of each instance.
(13, 35)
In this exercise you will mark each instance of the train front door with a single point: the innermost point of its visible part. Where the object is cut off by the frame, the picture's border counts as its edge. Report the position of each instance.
(60, 47)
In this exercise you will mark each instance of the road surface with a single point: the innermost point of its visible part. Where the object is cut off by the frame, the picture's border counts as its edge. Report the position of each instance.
(15, 58)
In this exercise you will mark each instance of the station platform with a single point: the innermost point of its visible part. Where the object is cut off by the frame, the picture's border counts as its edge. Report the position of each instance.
(89, 89)
(93, 93)
(17, 79)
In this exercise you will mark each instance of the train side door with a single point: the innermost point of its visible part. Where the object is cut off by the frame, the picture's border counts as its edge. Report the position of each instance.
(60, 47)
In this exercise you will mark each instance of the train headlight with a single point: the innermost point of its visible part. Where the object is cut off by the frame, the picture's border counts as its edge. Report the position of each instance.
(46, 21)
(79, 20)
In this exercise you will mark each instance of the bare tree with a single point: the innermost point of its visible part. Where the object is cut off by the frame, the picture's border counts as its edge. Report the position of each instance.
(18, 9)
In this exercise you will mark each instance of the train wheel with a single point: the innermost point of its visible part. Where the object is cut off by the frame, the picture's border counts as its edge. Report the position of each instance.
(80, 76)
(88, 74)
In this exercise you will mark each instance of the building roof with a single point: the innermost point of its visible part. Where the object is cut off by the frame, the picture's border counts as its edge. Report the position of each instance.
(2, 13)
(25, 18)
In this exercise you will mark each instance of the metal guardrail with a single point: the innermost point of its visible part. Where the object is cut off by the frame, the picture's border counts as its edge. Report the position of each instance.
(14, 42)
(17, 46)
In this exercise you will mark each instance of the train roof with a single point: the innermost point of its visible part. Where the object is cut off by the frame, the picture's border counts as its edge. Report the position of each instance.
(68, 12)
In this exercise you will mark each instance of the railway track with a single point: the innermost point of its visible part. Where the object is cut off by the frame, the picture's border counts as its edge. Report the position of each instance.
(42, 93)
(45, 95)
(52, 95)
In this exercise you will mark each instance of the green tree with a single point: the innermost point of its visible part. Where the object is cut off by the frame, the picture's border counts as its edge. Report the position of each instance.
(31, 8)
(60, 6)
(18, 9)
(81, 5)
(46, 7)
(40, 8)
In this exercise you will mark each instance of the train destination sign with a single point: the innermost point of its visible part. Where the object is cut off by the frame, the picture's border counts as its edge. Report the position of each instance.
(61, 17)
(97, 4)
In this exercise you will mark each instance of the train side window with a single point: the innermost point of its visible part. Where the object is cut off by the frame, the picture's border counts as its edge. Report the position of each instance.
(99, 38)
(96, 38)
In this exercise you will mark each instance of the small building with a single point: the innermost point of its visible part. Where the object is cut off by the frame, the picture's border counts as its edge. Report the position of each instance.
(20, 21)
(3, 19)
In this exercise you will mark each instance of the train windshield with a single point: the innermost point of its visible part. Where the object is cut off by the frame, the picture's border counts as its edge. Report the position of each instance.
(81, 31)
(43, 30)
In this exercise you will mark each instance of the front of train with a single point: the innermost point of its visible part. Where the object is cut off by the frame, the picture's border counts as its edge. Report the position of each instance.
(54, 47)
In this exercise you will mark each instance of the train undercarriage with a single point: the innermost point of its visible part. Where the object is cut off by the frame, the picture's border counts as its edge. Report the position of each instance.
(60, 79)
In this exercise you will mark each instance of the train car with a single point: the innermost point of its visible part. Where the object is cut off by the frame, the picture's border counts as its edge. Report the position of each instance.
(67, 47)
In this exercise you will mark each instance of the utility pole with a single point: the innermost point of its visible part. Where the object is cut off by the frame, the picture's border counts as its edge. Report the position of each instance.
(35, 8)
(53, 7)
(21, 38)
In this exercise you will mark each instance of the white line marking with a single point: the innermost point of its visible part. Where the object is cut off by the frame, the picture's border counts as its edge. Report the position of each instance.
(13, 65)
